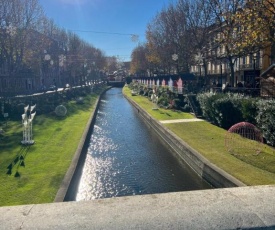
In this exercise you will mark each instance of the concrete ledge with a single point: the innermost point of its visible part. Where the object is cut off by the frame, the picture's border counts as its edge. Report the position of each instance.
(230, 208)
(202, 166)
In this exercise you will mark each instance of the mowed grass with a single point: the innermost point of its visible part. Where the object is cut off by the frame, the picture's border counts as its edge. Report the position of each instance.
(33, 174)
(250, 168)
(160, 113)
(244, 162)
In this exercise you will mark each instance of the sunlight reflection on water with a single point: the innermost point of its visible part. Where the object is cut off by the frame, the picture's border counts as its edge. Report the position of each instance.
(126, 158)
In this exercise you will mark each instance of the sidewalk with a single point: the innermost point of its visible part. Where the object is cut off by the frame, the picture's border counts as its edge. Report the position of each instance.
(180, 120)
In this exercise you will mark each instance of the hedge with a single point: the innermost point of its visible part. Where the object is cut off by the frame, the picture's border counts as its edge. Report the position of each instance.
(225, 110)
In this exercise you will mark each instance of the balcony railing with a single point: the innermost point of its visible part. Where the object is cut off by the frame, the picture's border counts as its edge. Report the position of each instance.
(249, 66)
(211, 72)
(216, 71)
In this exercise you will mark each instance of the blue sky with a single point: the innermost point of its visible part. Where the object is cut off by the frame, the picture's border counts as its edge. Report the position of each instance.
(111, 20)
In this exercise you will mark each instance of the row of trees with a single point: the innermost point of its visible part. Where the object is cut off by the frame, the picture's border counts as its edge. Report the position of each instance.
(200, 31)
(31, 42)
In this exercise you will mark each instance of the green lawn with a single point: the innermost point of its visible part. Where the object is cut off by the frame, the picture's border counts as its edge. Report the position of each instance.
(33, 174)
(160, 113)
(209, 140)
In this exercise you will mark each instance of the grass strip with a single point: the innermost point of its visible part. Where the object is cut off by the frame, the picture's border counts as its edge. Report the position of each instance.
(209, 140)
(33, 174)
(160, 113)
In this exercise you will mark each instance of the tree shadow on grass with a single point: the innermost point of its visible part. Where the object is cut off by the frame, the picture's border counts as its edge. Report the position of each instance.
(19, 161)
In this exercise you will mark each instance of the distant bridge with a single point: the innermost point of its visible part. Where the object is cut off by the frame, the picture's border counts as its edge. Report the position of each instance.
(116, 83)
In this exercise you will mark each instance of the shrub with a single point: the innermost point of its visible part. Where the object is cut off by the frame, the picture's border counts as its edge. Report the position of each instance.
(266, 119)
(176, 103)
(163, 101)
(227, 111)
(206, 101)
(249, 109)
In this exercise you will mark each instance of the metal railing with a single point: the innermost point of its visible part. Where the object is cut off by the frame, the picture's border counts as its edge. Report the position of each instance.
(249, 66)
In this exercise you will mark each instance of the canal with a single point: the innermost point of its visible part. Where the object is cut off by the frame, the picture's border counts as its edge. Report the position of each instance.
(125, 157)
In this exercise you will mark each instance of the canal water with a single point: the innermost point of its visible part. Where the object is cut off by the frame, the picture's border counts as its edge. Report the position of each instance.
(125, 157)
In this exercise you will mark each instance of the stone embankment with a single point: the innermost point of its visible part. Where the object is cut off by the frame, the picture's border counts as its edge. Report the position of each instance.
(203, 167)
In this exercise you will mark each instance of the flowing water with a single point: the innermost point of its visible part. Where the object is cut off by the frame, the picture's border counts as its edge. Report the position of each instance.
(125, 157)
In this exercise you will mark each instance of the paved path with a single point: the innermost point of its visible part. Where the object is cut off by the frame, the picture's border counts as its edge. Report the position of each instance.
(180, 120)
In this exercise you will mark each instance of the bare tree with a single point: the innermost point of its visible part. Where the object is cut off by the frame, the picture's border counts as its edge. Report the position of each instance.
(200, 20)
(139, 63)
(18, 18)
(225, 27)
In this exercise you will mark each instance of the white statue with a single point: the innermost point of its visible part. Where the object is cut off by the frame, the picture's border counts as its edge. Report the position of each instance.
(27, 125)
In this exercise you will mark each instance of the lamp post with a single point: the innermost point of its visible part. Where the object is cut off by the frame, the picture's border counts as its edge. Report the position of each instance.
(221, 72)
(199, 61)
(82, 80)
(48, 59)
(254, 69)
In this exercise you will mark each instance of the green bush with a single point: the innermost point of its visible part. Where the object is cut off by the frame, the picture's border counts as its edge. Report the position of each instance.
(163, 101)
(206, 101)
(249, 109)
(266, 119)
(45, 103)
(176, 103)
(226, 110)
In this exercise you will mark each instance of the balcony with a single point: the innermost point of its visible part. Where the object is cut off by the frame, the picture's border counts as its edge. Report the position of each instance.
(250, 66)
(217, 71)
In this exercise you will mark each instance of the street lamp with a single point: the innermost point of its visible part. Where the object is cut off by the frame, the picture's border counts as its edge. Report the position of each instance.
(221, 72)
(48, 58)
(254, 68)
(199, 61)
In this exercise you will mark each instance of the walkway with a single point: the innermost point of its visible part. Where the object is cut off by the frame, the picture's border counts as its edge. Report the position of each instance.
(230, 208)
(180, 120)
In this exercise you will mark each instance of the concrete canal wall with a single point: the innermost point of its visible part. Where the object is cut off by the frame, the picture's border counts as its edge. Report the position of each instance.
(203, 167)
